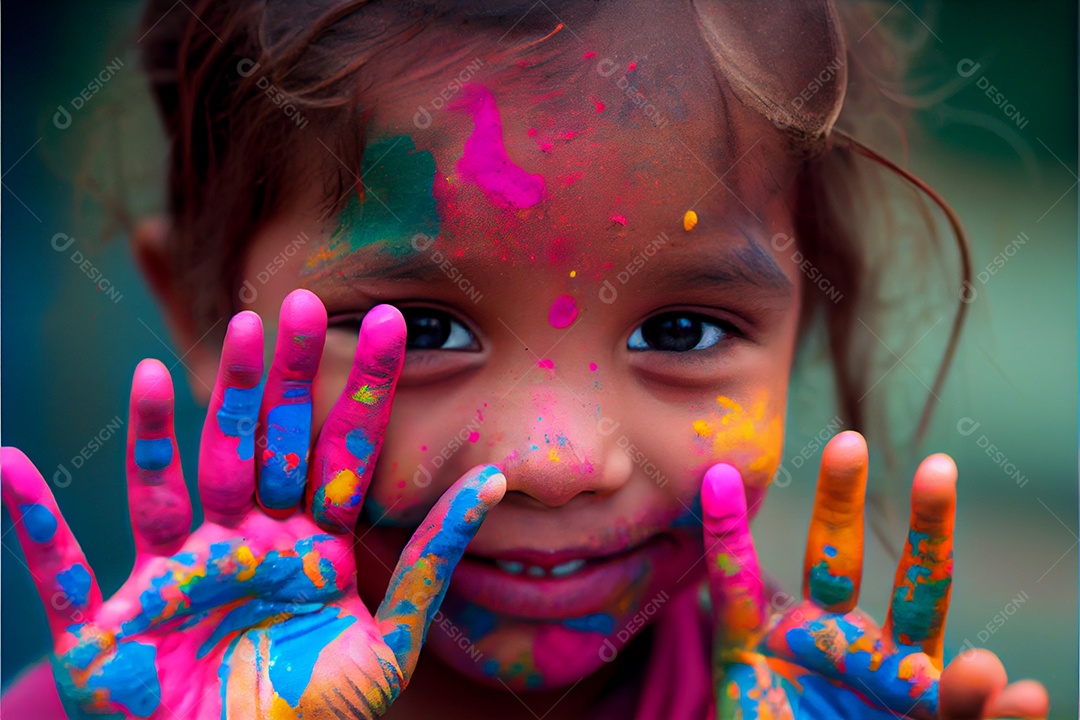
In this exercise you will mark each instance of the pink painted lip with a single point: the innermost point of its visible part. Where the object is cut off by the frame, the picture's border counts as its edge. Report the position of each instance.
(608, 573)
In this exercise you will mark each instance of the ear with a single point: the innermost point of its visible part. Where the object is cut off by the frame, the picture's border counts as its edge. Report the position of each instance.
(200, 359)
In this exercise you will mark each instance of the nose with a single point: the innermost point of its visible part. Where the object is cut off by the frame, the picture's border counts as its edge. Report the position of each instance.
(563, 449)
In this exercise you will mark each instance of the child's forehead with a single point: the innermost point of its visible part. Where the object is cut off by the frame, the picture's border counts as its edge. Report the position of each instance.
(562, 154)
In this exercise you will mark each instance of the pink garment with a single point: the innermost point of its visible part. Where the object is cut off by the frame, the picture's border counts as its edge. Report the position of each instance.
(678, 679)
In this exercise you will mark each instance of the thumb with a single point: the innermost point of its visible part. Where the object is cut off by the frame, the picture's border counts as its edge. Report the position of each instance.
(422, 574)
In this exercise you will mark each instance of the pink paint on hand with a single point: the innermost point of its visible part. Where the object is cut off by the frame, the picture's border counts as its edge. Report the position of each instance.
(563, 312)
(485, 162)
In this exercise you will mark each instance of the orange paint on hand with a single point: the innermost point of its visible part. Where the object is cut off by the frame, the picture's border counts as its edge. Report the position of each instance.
(340, 490)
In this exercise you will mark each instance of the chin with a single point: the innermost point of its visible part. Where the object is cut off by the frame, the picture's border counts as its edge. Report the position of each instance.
(522, 656)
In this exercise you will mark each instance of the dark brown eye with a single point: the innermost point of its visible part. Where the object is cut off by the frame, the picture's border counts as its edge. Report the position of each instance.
(678, 332)
(431, 329)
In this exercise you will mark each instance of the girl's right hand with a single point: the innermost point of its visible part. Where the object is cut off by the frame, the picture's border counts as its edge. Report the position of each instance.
(255, 613)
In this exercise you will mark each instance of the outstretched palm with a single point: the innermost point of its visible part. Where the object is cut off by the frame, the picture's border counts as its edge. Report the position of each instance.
(255, 613)
(822, 657)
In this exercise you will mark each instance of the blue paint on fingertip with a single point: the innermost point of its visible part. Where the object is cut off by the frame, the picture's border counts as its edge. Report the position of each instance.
(39, 522)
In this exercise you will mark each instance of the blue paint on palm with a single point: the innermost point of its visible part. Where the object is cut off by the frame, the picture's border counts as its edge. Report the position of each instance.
(859, 669)
(277, 578)
(295, 646)
(39, 522)
(824, 700)
(75, 582)
(153, 454)
(288, 434)
(251, 614)
(128, 678)
(238, 415)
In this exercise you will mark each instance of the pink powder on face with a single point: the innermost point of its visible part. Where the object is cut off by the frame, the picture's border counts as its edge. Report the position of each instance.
(592, 366)
(485, 162)
(619, 219)
(563, 312)
(474, 436)
(546, 364)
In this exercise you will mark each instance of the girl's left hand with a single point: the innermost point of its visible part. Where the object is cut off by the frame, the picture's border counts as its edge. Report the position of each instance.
(823, 657)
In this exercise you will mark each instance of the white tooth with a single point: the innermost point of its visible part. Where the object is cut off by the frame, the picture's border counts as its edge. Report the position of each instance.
(567, 567)
(535, 571)
(511, 566)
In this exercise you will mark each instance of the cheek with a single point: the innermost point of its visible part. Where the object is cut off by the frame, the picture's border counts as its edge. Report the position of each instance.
(745, 432)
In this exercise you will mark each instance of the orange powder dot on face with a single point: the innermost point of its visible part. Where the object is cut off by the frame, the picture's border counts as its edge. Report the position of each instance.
(703, 428)
(689, 220)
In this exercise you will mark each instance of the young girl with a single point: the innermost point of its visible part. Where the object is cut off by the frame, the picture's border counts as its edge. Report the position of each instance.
(574, 246)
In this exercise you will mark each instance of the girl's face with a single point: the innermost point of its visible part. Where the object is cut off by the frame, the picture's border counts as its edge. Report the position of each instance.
(564, 325)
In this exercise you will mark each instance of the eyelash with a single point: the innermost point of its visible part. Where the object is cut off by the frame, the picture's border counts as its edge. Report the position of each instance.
(711, 329)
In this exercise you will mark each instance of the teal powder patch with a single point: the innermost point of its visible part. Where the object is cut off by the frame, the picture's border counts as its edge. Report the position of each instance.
(828, 588)
(399, 199)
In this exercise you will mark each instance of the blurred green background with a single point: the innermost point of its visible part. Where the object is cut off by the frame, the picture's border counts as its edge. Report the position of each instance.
(69, 349)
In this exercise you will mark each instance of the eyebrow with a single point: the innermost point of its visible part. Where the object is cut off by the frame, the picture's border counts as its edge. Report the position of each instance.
(748, 264)
(743, 265)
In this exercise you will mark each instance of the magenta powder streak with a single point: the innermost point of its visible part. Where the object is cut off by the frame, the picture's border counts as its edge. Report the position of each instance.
(485, 162)
(563, 312)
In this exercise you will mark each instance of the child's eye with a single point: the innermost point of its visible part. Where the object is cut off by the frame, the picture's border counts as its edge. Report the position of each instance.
(431, 329)
(426, 328)
(678, 332)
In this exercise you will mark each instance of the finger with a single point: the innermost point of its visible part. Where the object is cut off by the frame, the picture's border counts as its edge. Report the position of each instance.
(968, 684)
(157, 497)
(1023, 699)
(61, 574)
(832, 572)
(734, 576)
(352, 435)
(226, 455)
(923, 583)
(420, 579)
(284, 432)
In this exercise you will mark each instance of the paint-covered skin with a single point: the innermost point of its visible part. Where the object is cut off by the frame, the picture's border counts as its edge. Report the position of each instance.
(252, 614)
(822, 657)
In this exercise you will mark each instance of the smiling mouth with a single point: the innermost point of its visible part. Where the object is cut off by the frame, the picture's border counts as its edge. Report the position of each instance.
(541, 565)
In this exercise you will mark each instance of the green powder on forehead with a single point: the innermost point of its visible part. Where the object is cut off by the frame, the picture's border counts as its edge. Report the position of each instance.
(398, 200)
